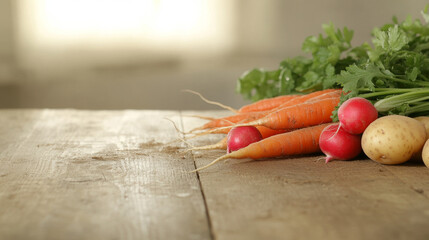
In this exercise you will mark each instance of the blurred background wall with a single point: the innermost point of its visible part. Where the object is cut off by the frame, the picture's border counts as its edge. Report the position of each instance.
(140, 54)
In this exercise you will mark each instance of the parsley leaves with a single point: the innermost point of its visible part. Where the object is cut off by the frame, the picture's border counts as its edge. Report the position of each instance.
(392, 71)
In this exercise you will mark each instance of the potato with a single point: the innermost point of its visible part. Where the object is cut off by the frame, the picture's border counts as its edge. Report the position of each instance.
(425, 121)
(393, 139)
(417, 156)
(425, 153)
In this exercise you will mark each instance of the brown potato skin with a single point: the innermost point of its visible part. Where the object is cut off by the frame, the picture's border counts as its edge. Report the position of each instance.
(393, 139)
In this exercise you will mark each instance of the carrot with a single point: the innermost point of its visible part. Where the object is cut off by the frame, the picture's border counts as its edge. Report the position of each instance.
(231, 120)
(266, 104)
(268, 132)
(306, 114)
(298, 142)
(300, 115)
(271, 103)
(265, 131)
(310, 97)
(250, 116)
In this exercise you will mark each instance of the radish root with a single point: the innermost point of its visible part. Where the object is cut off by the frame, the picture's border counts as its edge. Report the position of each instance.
(212, 102)
(328, 159)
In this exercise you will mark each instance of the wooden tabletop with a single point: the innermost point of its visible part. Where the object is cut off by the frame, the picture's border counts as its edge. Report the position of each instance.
(73, 174)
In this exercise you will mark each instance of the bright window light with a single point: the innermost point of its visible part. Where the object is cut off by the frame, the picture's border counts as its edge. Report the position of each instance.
(153, 24)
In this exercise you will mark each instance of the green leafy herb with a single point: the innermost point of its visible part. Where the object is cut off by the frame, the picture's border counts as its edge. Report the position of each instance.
(392, 71)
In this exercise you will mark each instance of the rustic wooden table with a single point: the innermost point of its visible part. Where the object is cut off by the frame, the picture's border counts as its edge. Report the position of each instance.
(69, 174)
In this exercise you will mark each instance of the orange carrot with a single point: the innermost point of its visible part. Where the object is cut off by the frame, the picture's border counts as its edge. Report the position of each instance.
(265, 131)
(306, 114)
(250, 116)
(310, 97)
(231, 120)
(271, 103)
(298, 142)
(268, 132)
(266, 104)
(301, 115)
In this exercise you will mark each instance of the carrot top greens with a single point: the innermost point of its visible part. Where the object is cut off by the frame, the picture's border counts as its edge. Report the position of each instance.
(392, 71)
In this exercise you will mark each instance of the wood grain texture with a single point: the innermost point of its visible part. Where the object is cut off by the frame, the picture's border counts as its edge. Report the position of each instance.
(304, 198)
(70, 174)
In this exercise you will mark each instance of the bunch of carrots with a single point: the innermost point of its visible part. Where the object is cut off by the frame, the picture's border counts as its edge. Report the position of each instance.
(289, 125)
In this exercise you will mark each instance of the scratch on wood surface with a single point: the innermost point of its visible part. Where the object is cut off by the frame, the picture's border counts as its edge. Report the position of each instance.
(418, 190)
(149, 145)
(109, 156)
(101, 158)
(83, 180)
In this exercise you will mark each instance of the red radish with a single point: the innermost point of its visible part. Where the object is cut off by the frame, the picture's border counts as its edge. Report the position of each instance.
(356, 114)
(338, 144)
(240, 137)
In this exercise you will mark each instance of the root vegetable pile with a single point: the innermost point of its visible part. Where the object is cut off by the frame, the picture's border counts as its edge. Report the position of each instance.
(302, 124)
(287, 126)
(342, 101)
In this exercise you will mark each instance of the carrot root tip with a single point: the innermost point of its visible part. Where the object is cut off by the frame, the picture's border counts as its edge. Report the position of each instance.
(175, 127)
(199, 116)
(211, 102)
(226, 156)
(207, 147)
